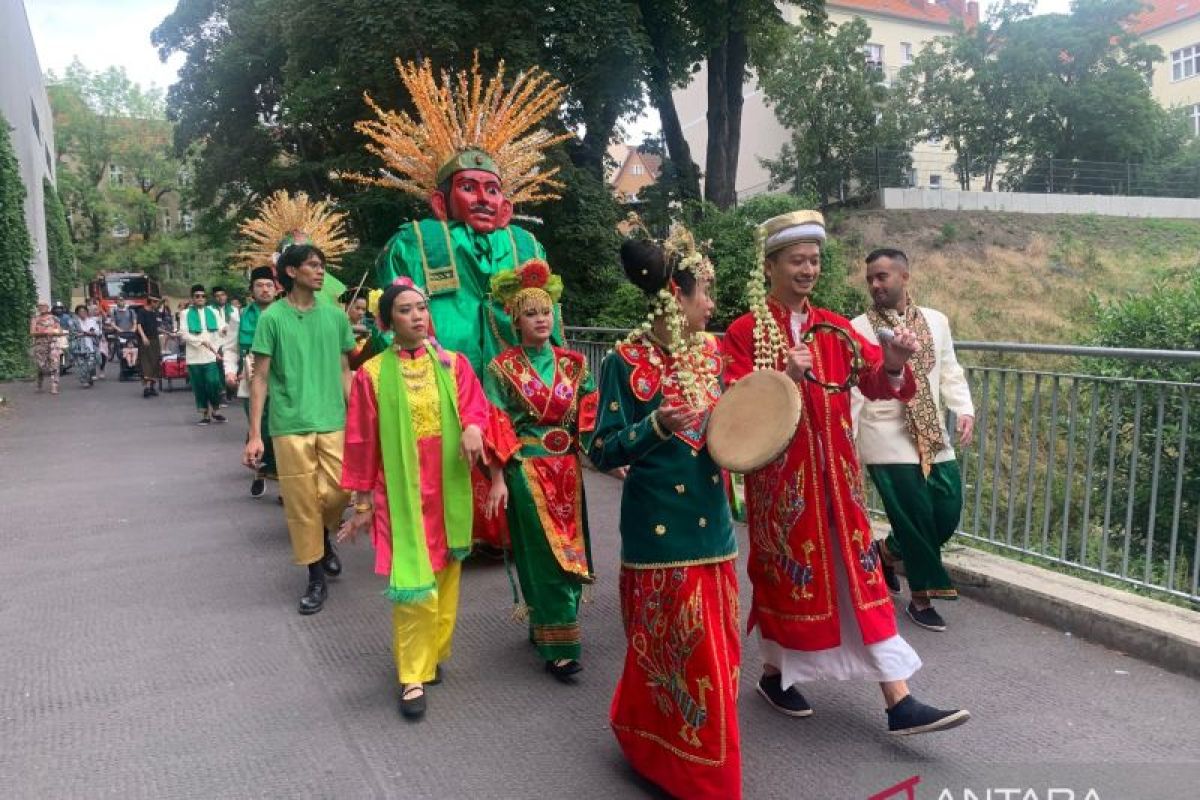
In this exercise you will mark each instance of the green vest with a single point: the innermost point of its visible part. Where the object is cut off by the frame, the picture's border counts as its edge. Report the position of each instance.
(455, 265)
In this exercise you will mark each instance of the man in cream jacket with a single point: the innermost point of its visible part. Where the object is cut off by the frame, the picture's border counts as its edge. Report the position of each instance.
(906, 447)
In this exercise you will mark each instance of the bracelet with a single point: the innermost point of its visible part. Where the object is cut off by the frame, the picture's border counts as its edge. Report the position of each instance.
(654, 423)
(363, 508)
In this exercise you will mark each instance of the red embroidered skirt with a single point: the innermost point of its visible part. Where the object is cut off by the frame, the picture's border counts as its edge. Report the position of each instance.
(675, 708)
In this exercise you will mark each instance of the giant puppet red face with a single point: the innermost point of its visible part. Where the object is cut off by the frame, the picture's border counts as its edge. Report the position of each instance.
(475, 198)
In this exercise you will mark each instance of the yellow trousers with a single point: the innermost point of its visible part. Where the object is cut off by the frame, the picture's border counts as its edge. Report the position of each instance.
(421, 632)
(309, 466)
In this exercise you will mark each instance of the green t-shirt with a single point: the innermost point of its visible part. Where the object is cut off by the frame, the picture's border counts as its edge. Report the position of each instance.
(305, 382)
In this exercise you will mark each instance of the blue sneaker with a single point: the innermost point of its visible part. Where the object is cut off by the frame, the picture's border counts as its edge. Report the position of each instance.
(911, 716)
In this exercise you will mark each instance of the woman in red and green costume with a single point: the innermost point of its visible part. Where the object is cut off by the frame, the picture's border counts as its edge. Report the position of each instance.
(544, 399)
(414, 430)
(675, 708)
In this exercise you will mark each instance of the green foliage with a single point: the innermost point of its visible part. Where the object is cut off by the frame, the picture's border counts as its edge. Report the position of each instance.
(830, 99)
(60, 250)
(1165, 316)
(17, 293)
(1020, 89)
(581, 241)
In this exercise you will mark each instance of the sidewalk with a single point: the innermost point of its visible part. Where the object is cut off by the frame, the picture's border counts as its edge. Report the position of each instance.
(151, 649)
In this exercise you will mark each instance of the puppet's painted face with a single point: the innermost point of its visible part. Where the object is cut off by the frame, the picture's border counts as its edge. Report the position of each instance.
(475, 198)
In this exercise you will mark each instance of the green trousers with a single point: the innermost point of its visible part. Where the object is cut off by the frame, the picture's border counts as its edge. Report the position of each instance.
(268, 456)
(208, 385)
(924, 514)
(551, 594)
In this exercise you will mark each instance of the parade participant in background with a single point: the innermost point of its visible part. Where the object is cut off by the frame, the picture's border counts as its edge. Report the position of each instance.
(262, 293)
(906, 446)
(231, 362)
(150, 353)
(360, 324)
(300, 346)
(202, 330)
(46, 330)
(819, 603)
(675, 708)
(282, 220)
(414, 430)
(543, 400)
(87, 337)
(473, 152)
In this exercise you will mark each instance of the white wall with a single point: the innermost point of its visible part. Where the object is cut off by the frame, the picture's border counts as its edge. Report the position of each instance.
(1028, 203)
(22, 94)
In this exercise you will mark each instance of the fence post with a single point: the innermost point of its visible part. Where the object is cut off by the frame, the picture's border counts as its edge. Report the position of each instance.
(878, 173)
(1128, 178)
(1051, 176)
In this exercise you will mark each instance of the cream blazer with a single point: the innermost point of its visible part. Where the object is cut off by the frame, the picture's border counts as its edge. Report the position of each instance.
(879, 425)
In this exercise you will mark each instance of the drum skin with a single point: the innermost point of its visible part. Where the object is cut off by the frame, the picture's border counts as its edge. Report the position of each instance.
(754, 421)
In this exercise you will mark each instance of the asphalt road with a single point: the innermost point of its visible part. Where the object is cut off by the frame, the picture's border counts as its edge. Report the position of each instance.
(150, 647)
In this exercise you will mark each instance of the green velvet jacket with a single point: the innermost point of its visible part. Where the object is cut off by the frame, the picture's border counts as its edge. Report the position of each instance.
(674, 511)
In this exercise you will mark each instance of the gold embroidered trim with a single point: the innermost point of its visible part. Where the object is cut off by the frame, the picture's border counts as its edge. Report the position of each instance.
(695, 562)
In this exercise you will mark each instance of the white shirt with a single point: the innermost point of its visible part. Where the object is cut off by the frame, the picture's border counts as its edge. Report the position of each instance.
(880, 425)
(197, 345)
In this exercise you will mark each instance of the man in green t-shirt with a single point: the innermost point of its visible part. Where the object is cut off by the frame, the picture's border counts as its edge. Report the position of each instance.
(301, 348)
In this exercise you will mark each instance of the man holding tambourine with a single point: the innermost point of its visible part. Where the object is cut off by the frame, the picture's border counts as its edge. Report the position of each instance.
(820, 602)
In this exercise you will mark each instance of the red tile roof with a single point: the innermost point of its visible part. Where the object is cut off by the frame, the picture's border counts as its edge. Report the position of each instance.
(943, 12)
(1162, 13)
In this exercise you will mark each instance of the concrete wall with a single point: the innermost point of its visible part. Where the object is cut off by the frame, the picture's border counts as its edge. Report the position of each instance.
(1025, 203)
(22, 96)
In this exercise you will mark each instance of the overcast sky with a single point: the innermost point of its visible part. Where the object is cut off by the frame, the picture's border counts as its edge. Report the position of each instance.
(105, 33)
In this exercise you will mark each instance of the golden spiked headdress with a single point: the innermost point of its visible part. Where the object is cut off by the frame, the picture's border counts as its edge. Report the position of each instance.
(466, 122)
(284, 220)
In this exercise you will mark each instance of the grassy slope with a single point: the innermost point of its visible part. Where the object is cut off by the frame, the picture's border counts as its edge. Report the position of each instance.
(1022, 277)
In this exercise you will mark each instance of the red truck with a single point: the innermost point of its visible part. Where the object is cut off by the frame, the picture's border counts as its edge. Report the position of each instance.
(106, 287)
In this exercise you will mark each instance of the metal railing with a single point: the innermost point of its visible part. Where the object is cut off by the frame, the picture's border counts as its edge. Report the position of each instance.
(1075, 465)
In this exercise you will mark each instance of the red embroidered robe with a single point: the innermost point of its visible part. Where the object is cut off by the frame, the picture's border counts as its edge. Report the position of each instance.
(812, 492)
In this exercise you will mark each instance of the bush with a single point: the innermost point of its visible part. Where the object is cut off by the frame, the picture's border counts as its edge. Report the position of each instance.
(60, 251)
(17, 293)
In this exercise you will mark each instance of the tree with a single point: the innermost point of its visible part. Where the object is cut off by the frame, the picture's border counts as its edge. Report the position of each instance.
(271, 105)
(17, 292)
(60, 250)
(831, 101)
(973, 90)
(728, 37)
(103, 120)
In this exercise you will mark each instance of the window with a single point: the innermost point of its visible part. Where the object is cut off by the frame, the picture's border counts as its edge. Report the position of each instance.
(1196, 119)
(874, 54)
(935, 181)
(1185, 62)
(37, 123)
(638, 169)
(49, 163)
(116, 175)
(166, 221)
(120, 230)
(187, 222)
(906, 52)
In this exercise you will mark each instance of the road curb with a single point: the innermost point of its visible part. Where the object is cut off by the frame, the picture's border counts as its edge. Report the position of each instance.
(1150, 630)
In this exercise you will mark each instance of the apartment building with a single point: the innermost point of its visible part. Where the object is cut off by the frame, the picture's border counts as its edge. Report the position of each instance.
(25, 109)
(1174, 25)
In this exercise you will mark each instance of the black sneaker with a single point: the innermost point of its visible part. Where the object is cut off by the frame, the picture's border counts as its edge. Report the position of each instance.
(218, 417)
(204, 421)
(889, 574)
(258, 486)
(789, 702)
(146, 392)
(911, 716)
(927, 618)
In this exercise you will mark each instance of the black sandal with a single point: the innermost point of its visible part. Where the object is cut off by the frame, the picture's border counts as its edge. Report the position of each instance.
(564, 672)
(412, 706)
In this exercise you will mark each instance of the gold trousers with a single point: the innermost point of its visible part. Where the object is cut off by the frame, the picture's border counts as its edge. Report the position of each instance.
(309, 466)
(421, 632)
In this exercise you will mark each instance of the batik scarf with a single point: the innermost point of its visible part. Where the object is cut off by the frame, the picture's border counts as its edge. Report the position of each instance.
(921, 412)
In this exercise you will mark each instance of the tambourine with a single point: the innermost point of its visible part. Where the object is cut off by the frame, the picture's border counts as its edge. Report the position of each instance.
(857, 362)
